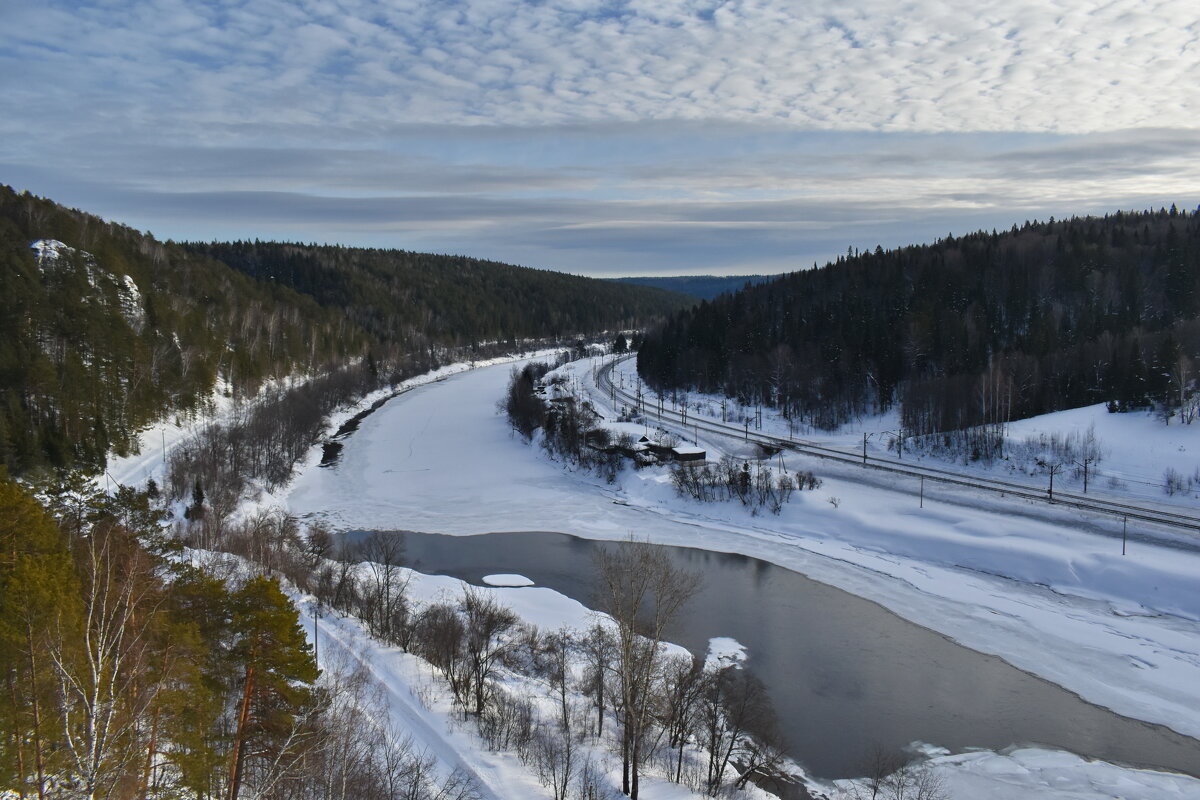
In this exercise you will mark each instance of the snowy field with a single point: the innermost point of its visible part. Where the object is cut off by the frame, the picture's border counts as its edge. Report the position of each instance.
(1049, 592)
(1136, 450)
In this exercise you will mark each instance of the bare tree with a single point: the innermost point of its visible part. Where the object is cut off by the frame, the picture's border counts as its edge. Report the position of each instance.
(643, 592)
(599, 648)
(890, 778)
(557, 743)
(387, 594)
(734, 706)
(440, 635)
(683, 687)
(487, 623)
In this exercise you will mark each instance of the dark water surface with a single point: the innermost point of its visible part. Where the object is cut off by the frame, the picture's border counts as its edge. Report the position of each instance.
(844, 673)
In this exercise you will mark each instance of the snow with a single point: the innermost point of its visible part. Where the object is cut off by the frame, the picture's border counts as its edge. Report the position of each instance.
(419, 703)
(49, 251)
(1140, 448)
(1021, 773)
(1137, 447)
(505, 579)
(158, 439)
(725, 651)
(416, 705)
(131, 302)
(1042, 587)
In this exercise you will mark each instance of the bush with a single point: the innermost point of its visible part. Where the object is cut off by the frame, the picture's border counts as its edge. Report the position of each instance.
(755, 486)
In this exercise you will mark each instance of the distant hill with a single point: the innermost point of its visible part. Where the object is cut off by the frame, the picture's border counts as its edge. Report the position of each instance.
(967, 331)
(418, 299)
(701, 287)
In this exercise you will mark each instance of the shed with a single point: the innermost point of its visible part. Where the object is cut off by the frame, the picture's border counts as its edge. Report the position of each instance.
(686, 453)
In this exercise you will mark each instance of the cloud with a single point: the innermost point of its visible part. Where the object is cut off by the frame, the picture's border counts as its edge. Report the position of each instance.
(630, 134)
(920, 65)
(622, 198)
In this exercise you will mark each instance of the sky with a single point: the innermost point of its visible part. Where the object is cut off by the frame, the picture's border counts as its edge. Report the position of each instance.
(614, 137)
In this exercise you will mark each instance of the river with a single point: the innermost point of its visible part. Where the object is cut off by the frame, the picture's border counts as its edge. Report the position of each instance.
(844, 673)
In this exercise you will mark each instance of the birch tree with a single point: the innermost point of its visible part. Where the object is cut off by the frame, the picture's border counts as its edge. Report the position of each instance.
(643, 592)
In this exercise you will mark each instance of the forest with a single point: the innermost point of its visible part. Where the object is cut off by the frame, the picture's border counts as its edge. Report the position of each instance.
(104, 329)
(964, 333)
(129, 673)
(419, 299)
(136, 667)
(109, 329)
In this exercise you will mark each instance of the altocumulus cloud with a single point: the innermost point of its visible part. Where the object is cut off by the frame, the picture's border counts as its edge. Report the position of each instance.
(660, 135)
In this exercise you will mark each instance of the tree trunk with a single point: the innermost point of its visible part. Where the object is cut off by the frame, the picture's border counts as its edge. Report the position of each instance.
(625, 761)
(39, 765)
(239, 744)
(17, 740)
(150, 755)
(633, 794)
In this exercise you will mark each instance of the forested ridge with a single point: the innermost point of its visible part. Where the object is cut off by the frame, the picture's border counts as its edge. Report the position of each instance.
(420, 298)
(104, 329)
(968, 331)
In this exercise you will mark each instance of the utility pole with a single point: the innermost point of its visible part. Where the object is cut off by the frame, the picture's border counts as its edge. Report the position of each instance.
(1052, 470)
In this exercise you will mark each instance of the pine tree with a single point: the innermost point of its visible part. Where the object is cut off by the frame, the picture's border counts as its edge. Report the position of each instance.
(278, 669)
(38, 592)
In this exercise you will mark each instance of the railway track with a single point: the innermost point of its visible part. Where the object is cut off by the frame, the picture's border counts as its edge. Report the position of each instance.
(1172, 518)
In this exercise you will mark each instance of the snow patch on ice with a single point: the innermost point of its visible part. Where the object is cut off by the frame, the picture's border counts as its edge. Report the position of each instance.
(507, 579)
(725, 651)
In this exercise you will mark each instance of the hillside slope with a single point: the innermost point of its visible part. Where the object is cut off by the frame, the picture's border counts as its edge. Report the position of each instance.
(420, 298)
(966, 331)
(104, 329)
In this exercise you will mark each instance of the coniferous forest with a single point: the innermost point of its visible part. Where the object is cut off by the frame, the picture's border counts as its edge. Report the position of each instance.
(105, 329)
(426, 299)
(969, 331)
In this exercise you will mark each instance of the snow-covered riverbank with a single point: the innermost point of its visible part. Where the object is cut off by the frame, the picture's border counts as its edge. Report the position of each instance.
(1050, 596)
